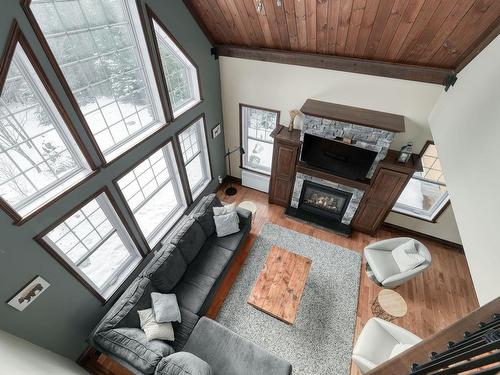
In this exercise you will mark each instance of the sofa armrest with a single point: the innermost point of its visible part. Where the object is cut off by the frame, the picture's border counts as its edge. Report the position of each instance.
(227, 353)
(131, 346)
(400, 278)
(244, 215)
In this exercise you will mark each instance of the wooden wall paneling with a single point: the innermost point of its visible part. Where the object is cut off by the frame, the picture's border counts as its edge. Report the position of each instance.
(279, 12)
(225, 9)
(479, 16)
(383, 13)
(409, 15)
(322, 26)
(333, 22)
(343, 27)
(300, 18)
(251, 10)
(458, 12)
(311, 22)
(262, 18)
(247, 24)
(390, 28)
(238, 22)
(273, 23)
(412, 53)
(289, 8)
(358, 10)
(419, 25)
(366, 26)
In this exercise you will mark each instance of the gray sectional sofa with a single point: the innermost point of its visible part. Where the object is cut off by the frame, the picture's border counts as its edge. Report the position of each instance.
(191, 263)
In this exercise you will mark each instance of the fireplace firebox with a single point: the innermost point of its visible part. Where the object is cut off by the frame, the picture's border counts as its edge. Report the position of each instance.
(324, 201)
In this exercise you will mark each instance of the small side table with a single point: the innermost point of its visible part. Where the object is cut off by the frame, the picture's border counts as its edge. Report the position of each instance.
(250, 206)
(389, 305)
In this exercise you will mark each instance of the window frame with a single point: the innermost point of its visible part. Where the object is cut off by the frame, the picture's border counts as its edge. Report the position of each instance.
(69, 265)
(243, 142)
(195, 193)
(154, 78)
(152, 18)
(15, 38)
(442, 206)
(182, 193)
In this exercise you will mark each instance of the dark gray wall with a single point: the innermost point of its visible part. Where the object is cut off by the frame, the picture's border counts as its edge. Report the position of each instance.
(63, 316)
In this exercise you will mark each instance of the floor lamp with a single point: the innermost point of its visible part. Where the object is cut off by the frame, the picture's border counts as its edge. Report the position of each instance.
(231, 190)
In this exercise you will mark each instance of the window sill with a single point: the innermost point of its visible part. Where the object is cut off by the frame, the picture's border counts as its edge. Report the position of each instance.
(185, 108)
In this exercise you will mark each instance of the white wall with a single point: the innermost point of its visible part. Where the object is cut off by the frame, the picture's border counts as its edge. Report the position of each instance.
(18, 356)
(284, 87)
(465, 124)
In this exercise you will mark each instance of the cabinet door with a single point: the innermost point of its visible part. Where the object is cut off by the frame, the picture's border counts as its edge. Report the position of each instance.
(375, 206)
(285, 161)
(283, 173)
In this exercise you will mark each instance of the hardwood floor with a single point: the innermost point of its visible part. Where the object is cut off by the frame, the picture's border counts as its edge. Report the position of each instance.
(436, 298)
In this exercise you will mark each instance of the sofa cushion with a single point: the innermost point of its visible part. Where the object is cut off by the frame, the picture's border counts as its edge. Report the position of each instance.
(231, 354)
(231, 242)
(193, 290)
(211, 260)
(132, 346)
(381, 263)
(203, 213)
(183, 330)
(166, 268)
(188, 237)
(183, 363)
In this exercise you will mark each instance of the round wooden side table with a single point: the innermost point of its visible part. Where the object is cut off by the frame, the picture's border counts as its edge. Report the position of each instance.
(389, 305)
(250, 206)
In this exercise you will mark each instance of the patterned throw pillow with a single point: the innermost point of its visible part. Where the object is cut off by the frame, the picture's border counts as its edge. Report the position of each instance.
(153, 329)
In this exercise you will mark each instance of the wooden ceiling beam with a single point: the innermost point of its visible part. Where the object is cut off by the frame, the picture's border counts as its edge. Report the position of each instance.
(346, 64)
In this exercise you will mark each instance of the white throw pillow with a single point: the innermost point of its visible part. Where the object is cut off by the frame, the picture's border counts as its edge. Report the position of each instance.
(226, 224)
(398, 349)
(165, 307)
(224, 210)
(407, 257)
(153, 329)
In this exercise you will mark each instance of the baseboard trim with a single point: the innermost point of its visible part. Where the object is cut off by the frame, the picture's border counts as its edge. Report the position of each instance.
(423, 235)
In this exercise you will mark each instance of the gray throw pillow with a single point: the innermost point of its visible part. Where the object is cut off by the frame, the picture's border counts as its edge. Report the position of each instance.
(165, 307)
(226, 224)
(183, 363)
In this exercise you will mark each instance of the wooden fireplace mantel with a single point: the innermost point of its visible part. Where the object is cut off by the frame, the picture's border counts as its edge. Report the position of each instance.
(354, 115)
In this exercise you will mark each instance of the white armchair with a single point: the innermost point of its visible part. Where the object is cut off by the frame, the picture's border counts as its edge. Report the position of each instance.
(379, 341)
(385, 270)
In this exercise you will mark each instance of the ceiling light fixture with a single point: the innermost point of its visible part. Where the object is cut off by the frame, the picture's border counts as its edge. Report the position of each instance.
(279, 3)
(260, 6)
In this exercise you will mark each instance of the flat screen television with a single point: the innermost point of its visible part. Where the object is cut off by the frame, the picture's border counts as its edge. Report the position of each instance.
(339, 158)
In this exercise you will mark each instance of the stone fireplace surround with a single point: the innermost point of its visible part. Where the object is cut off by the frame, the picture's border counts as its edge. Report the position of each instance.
(377, 140)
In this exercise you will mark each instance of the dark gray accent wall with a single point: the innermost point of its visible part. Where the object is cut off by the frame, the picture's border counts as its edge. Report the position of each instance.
(63, 316)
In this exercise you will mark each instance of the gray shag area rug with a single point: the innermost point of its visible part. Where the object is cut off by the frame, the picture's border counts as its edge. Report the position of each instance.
(320, 340)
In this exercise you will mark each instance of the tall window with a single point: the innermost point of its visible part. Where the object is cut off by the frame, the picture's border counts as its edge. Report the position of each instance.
(179, 72)
(195, 156)
(100, 48)
(96, 245)
(425, 196)
(153, 192)
(256, 127)
(39, 159)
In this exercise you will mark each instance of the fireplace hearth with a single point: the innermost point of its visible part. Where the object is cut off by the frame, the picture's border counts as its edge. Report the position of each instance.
(323, 201)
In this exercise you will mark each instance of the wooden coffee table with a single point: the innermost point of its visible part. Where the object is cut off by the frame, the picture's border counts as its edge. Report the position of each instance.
(280, 284)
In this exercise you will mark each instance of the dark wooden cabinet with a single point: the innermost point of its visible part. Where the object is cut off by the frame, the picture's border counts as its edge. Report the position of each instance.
(285, 156)
(386, 185)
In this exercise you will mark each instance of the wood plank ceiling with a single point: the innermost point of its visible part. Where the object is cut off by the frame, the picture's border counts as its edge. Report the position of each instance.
(432, 33)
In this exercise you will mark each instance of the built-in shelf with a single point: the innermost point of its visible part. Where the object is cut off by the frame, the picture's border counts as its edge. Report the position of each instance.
(354, 115)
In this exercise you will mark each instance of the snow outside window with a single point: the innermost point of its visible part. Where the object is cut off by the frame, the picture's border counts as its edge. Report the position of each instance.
(256, 127)
(100, 48)
(39, 159)
(94, 242)
(153, 192)
(425, 195)
(195, 156)
(179, 73)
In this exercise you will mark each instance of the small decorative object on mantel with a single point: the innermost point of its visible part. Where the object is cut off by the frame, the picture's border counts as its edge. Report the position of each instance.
(405, 152)
(29, 293)
(293, 114)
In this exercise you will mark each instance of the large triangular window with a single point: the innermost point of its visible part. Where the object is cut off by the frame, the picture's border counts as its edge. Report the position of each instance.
(179, 72)
(39, 158)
